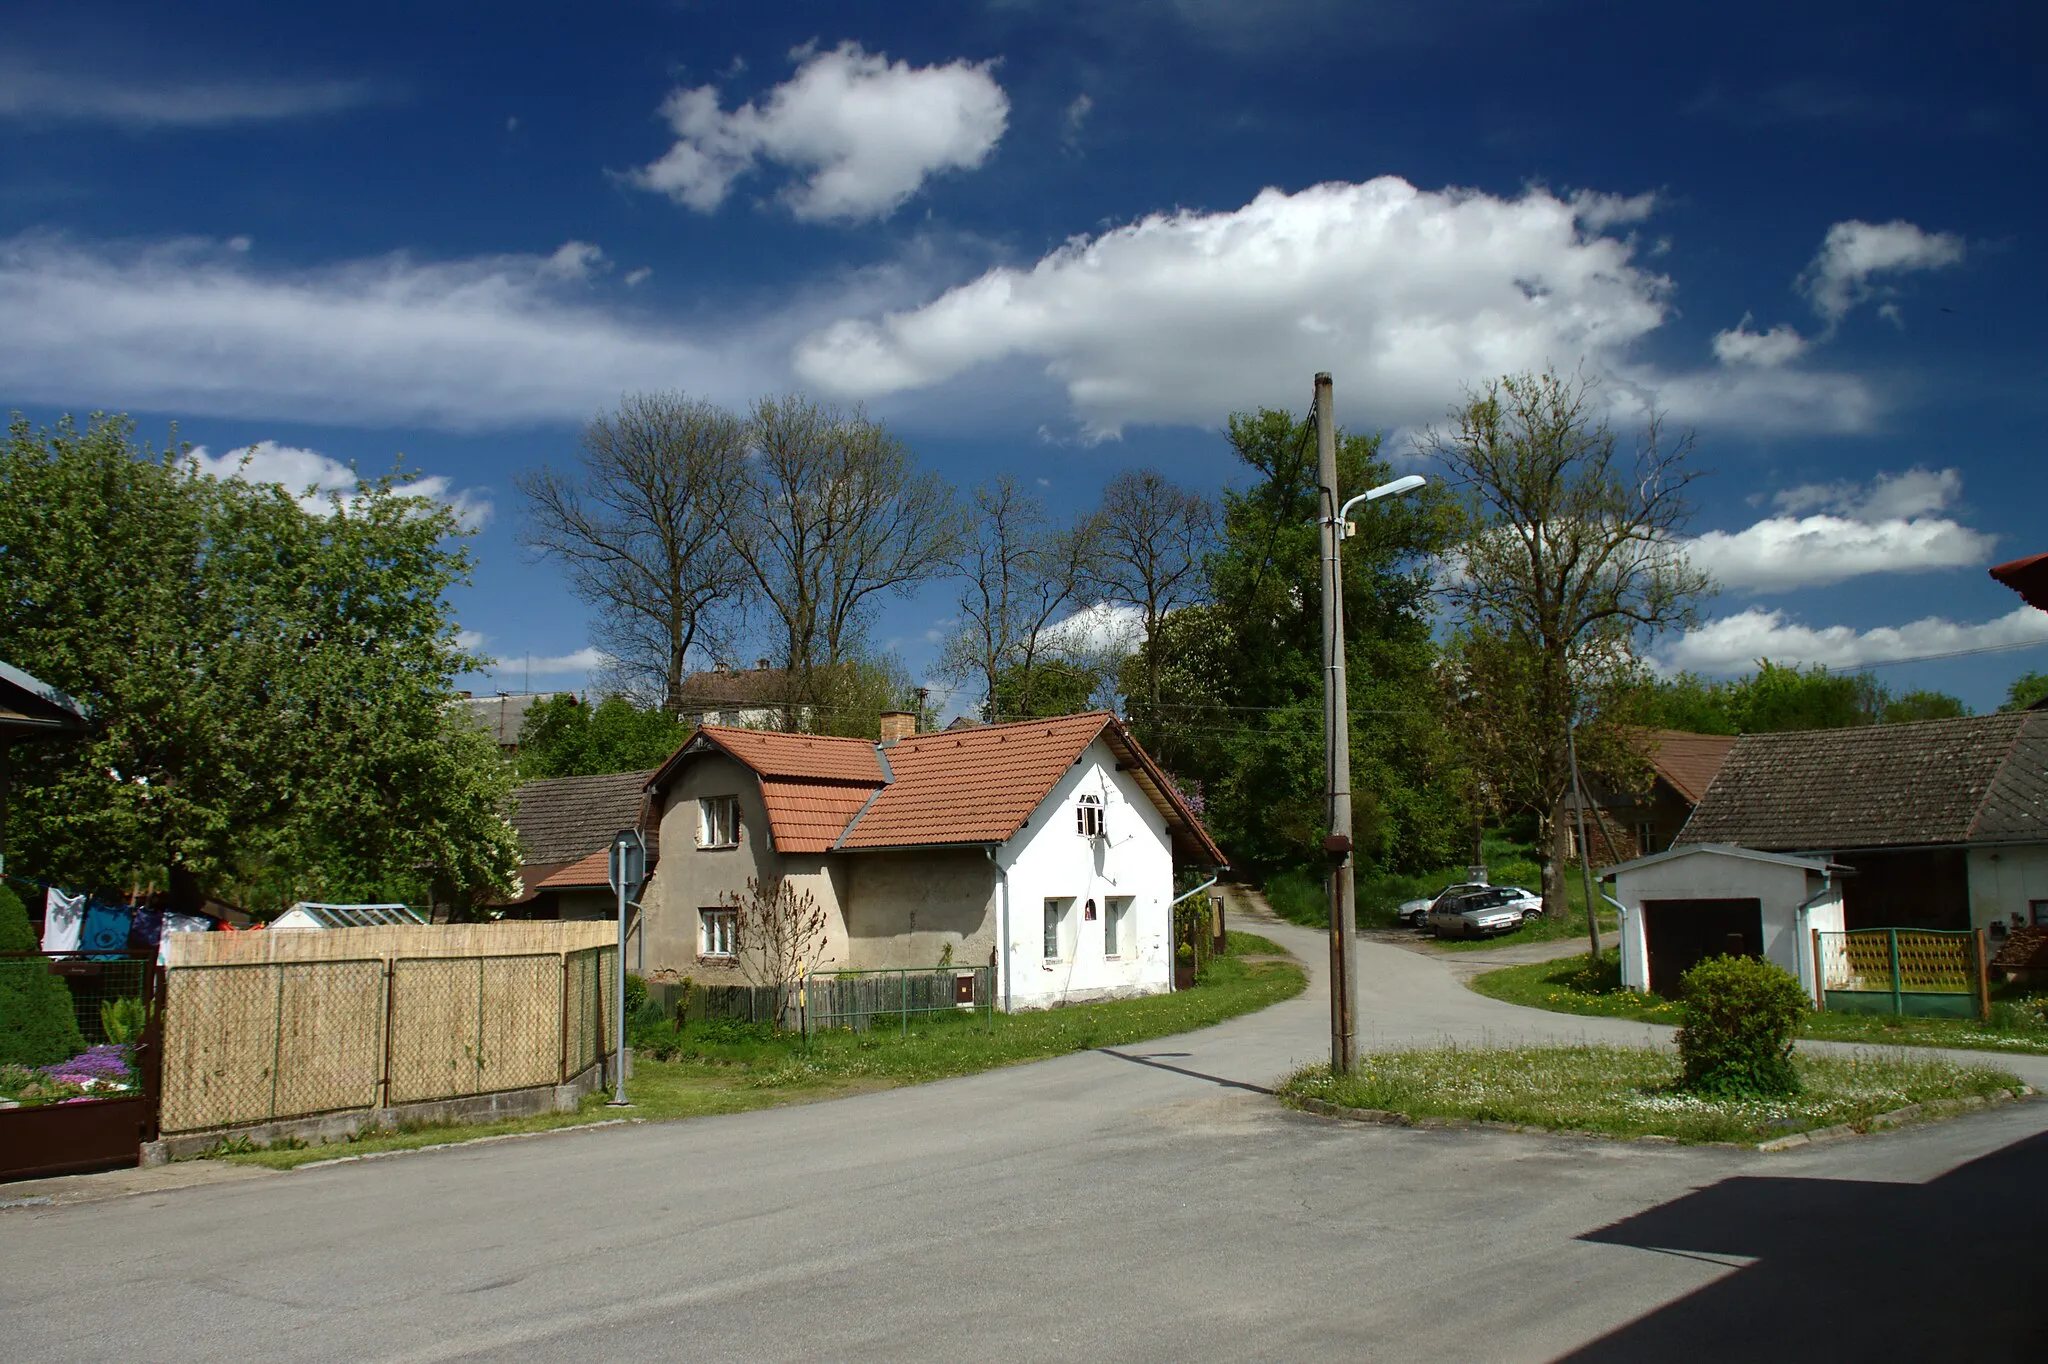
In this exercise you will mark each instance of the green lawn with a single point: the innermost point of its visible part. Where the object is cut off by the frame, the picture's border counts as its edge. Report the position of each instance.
(1629, 1091)
(1251, 945)
(735, 1068)
(1569, 986)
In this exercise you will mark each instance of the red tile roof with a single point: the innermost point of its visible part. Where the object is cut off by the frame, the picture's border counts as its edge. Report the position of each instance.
(970, 786)
(1690, 762)
(594, 870)
(2028, 577)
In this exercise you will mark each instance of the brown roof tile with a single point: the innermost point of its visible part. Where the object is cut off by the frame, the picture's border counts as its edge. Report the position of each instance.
(972, 786)
(594, 870)
(1690, 762)
(1937, 781)
(809, 816)
(563, 819)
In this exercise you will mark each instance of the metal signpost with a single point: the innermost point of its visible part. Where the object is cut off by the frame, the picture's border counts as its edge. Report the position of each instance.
(628, 868)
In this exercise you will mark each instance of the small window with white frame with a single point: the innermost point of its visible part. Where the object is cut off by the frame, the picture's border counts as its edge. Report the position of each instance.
(1056, 927)
(1116, 927)
(1088, 817)
(718, 932)
(718, 822)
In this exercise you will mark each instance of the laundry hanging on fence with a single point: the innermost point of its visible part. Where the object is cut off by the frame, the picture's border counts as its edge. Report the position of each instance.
(145, 929)
(106, 928)
(63, 919)
(179, 923)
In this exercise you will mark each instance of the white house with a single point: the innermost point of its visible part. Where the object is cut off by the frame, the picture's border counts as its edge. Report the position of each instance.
(1705, 900)
(1045, 848)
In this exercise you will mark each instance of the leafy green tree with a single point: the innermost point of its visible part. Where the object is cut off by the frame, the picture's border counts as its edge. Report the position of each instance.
(1922, 705)
(1050, 686)
(270, 683)
(37, 1024)
(1779, 697)
(2026, 689)
(566, 737)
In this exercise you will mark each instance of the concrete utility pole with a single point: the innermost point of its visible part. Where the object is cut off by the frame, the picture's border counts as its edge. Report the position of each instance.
(1337, 741)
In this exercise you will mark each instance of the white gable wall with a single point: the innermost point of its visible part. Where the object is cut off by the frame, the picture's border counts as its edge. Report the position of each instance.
(1049, 859)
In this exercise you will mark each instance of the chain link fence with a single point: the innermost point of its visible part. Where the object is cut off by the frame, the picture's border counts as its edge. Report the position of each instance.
(258, 1042)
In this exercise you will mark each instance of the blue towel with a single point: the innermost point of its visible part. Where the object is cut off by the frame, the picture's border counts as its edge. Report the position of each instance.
(146, 931)
(106, 928)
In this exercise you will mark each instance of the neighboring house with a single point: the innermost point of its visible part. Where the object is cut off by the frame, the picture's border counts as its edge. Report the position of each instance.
(1945, 822)
(566, 826)
(741, 698)
(502, 715)
(1623, 824)
(1044, 847)
(2029, 578)
(30, 709)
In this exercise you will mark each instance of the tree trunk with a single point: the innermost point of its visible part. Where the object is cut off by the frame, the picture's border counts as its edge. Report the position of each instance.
(1557, 843)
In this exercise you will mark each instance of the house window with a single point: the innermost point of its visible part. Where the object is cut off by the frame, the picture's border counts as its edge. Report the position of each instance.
(1055, 926)
(718, 931)
(2037, 910)
(1116, 930)
(1646, 839)
(718, 822)
(1088, 817)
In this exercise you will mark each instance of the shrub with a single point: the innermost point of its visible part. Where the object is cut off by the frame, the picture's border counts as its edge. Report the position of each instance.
(1739, 1018)
(636, 993)
(1298, 897)
(37, 1026)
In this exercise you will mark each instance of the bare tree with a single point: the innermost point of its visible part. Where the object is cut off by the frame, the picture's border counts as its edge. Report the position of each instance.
(780, 935)
(642, 527)
(1570, 562)
(1019, 574)
(836, 515)
(1155, 535)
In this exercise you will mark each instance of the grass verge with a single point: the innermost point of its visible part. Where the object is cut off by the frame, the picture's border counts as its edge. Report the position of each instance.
(735, 1068)
(1630, 1091)
(1573, 986)
(1251, 945)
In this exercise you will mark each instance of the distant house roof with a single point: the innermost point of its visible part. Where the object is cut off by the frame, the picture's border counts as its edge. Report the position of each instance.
(594, 870)
(726, 687)
(503, 715)
(1690, 762)
(1975, 779)
(955, 787)
(562, 820)
(30, 706)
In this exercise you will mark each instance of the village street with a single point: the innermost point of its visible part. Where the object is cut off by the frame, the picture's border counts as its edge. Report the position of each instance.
(1147, 1204)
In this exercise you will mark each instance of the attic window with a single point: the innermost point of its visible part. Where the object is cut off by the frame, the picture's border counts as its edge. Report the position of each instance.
(1088, 817)
(718, 822)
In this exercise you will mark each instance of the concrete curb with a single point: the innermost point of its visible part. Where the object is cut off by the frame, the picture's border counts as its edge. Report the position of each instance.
(1933, 1109)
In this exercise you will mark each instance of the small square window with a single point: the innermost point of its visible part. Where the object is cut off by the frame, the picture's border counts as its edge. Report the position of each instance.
(718, 932)
(718, 822)
(1088, 817)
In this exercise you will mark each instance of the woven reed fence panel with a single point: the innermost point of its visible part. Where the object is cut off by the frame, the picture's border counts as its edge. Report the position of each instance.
(420, 940)
(246, 1044)
(587, 1010)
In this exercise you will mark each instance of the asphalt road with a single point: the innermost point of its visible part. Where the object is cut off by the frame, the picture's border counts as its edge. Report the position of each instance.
(1149, 1203)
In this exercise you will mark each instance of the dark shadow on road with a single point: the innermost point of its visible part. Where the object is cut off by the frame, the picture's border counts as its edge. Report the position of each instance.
(1181, 1070)
(1846, 1270)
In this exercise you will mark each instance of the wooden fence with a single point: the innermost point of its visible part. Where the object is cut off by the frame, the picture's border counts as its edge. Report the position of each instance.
(287, 1028)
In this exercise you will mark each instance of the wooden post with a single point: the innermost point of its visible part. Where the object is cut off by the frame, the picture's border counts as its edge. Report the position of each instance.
(1979, 941)
(390, 989)
(1820, 980)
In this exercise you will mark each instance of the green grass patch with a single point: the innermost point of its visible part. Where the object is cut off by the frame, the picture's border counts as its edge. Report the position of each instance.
(735, 1068)
(2018, 1023)
(1238, 944)
(1631, 1091)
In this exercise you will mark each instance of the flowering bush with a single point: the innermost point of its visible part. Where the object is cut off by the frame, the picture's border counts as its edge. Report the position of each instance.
(98, 1072)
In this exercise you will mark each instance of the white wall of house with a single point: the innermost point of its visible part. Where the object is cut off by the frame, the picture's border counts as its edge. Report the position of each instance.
(2005, 881)
(1048, 859)
(1779, 888)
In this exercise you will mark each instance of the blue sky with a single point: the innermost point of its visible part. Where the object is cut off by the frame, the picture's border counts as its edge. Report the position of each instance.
(1058, 239)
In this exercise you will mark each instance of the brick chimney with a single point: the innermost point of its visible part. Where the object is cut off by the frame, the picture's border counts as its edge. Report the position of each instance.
(897, 724)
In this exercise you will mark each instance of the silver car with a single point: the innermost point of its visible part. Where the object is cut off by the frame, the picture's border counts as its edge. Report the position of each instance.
(1415, 913)
(1476, 913)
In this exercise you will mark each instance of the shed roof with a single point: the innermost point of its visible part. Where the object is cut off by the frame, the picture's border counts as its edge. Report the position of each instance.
(1812, 864)
(1977, 778)
(30, 706)
(564, 819)
(503, 715)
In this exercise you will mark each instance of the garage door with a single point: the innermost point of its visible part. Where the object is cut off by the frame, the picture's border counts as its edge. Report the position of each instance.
(1680, 934)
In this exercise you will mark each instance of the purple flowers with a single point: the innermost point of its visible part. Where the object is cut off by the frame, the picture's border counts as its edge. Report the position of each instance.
(104, 1065)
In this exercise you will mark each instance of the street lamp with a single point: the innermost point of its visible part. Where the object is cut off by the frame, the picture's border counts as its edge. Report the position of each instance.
(1337, 730)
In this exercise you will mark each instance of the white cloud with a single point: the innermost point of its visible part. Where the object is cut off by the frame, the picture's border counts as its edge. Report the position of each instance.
(1840, 276)
(1813, 551)
(1853, 529)
(1733, 644)
(471, 641)
(313, 478)
(1075, 119)
(586, 659)
(32, 89)
(1104, 629)
(1741, 346)
(1408, 295)
(489, 341)
(1912, 493)
(864, 133)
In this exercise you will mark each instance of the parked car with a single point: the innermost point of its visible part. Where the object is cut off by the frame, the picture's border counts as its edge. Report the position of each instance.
(1414, 913)
(1531, 903)
(1478, 913)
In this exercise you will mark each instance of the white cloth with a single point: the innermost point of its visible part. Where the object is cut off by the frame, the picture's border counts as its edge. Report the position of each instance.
(63, 918)
(179, 923)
